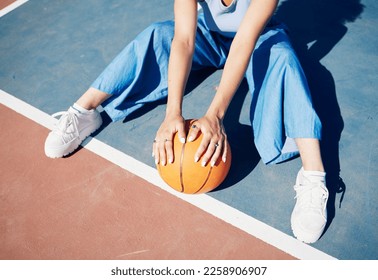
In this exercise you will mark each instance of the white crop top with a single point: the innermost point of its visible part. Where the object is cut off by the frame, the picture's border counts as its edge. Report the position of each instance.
(224, 19)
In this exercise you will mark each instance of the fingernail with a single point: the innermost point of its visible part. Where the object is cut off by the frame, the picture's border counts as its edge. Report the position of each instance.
(156, 161)
(224, 159)
(182, 140)
(191, 138)
(203, 163)
(196, 159)
(212, 163)
(170, 160)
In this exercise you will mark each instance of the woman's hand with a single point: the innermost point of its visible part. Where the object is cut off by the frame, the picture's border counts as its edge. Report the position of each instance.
(214, 142)
(162, 148)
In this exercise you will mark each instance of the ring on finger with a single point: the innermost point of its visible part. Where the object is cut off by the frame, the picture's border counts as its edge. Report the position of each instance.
(157, 141)
(165, 140)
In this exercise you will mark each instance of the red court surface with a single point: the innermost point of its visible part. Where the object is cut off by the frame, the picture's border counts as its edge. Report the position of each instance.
(5, 3)
(84, 207)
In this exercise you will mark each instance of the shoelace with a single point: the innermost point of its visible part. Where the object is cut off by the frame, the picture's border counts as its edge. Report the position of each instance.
(311, 196)
(67, 119)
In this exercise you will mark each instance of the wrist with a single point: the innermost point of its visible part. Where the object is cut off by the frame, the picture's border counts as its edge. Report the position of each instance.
(215, 113)
(171, 113)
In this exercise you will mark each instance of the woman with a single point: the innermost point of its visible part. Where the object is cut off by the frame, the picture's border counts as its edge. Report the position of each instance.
(240, 37)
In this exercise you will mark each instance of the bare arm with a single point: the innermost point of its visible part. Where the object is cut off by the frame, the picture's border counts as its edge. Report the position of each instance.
(254, 21)
(179, 66)
(241, 50)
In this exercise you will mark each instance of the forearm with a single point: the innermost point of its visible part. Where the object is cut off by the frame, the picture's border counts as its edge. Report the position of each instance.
(182, 49)
(178, 71)
(232, 76)
(240, 53)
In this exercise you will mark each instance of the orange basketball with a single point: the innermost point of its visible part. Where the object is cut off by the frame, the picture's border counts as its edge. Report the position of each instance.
(185, 175)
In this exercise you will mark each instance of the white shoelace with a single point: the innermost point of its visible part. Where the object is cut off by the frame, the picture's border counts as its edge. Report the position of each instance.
(68, 119)
(311, 196)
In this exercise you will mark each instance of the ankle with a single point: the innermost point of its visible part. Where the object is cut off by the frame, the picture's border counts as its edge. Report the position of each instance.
(313, 175)
(92, 98)
(86, 106)
(82, 109)
(313, 167)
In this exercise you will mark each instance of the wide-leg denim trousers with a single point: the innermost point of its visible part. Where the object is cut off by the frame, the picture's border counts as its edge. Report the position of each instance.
(281, 108)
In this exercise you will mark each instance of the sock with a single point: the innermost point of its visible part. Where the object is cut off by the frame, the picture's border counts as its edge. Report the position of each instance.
(80, 109)
(314, 176)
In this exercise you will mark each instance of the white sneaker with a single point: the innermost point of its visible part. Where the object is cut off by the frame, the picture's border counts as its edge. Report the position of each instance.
(70, 131)
(309, 216)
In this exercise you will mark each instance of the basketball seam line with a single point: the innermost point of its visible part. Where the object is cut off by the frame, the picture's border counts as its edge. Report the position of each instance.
(207, 178)
(181, 163)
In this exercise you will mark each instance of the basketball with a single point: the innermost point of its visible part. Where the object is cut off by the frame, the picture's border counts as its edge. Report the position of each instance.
(187, 176)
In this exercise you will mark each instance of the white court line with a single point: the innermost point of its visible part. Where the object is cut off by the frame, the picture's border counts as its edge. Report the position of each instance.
(11, 7)
(205, 202)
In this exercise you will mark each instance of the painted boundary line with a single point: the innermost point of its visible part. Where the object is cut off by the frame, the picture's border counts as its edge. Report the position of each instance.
(12, 6)
(205, 202)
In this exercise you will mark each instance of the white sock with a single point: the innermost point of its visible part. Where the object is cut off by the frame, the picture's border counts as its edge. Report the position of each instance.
(314, 176)
(81, 109)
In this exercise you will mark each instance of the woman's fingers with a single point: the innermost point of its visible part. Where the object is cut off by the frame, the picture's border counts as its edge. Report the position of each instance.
(165, 151)
(213, 142)
(212, 153)
(212, 147)
(225, 150)
(162, 148)
(194, 130)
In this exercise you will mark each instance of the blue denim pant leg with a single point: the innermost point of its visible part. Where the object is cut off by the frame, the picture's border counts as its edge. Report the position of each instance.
(281, 107)
(139, 74)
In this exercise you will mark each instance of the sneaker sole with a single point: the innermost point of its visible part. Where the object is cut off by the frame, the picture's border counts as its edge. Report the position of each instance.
(59, 152)
(305, 236)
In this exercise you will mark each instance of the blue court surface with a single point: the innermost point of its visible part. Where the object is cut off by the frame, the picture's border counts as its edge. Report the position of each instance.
(51, 51)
